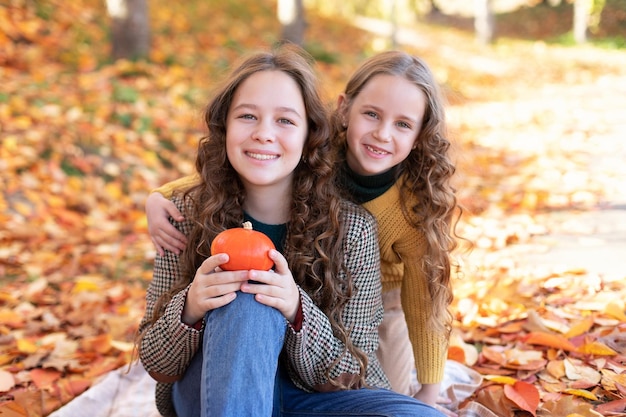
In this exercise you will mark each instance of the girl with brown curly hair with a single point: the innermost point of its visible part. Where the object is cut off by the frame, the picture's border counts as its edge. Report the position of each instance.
(390, 127)
(301, 338)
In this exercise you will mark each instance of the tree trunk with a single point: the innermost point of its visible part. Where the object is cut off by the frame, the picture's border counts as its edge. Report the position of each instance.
(582, 10)
(291, 17)
(483, 21)
(130, 28)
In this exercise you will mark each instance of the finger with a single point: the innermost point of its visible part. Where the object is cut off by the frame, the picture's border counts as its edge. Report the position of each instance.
(280, 263)
(172, 242)
(164, 245)
(267, 278)
(445, 411)
(158, 247)
(173, 211)
(173, 233)
(221, 301)
(212, 262)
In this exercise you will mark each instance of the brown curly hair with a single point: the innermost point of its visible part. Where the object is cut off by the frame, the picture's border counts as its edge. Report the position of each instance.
(427, 172)
(315, 232)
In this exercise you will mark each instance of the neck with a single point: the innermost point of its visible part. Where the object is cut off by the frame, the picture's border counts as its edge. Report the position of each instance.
(268, 204)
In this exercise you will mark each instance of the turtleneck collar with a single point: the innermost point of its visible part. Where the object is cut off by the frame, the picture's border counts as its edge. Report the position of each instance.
(364, 188)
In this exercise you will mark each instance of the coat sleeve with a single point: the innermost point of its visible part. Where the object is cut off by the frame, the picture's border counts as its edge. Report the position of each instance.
(167, 345)
(167, 190)
(314, 349)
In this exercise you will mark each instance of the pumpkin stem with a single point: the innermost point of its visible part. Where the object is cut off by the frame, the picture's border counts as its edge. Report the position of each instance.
(247, 225)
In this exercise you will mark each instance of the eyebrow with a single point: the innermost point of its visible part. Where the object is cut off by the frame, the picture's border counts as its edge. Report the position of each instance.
(280, 108)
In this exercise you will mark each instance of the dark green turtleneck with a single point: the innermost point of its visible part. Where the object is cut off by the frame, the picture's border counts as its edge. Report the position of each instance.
(276, 232)
(364, 188)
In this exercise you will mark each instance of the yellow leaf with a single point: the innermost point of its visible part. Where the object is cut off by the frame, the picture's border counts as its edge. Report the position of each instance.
(596, 348)
(615, 310)
(83, 284)
(26, 346)
(501, 379)
(581, 393)
(122, 346)
(580, 327)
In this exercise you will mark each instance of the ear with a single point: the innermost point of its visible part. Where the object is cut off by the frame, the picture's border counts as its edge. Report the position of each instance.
(342, 103)
(342, 107)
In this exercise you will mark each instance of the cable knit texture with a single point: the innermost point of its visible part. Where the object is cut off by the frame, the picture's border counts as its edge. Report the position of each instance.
(401, 250)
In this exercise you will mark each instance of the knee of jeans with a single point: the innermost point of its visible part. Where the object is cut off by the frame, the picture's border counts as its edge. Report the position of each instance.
(245, 308)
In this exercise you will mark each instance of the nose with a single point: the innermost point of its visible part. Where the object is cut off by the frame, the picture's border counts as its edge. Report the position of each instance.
(263, 134)
(383, 133)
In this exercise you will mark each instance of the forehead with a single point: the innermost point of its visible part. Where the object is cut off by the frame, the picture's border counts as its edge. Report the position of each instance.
(393, 93)
(272, 86)
(389, 85)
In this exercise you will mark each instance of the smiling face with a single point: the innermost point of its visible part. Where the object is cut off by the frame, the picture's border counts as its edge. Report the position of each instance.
(383, 121)
(266, 129)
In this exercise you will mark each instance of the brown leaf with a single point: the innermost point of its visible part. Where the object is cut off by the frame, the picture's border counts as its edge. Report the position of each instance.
(494, 399)
(612, 407)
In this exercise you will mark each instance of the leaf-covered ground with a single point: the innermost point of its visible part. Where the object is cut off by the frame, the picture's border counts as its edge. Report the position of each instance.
(537, 128)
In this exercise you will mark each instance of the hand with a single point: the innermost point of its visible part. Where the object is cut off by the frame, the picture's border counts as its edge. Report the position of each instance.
(444, 410)
(211, 288)
(429, 394)
(163, 235)
(277, 288)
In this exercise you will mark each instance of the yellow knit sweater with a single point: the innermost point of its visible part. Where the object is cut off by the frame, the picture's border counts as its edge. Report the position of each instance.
(401, 249)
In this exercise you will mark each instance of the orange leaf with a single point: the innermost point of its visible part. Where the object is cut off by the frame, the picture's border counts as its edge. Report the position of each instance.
(549, 340)
(456, 353)
(12, 409)
(525, 395)
(99, 344)
(43, 378)
(11, 318)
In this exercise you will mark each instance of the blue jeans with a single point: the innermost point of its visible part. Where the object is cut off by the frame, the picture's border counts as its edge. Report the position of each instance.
(236, 373)
(290, 401)
(233, 373)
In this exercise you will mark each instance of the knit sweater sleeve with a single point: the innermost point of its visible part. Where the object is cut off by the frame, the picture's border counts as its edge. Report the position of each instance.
(180, 184)
(429, 346)
(402, 249)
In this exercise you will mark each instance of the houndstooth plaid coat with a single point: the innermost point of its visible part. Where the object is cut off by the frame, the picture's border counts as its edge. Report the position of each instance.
(168, 346)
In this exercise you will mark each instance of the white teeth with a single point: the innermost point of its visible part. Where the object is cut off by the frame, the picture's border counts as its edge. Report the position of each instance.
(376, 151)
(261, 156)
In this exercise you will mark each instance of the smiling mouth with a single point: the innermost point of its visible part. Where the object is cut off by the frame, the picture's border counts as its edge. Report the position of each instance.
(376, 151)
(261, 156)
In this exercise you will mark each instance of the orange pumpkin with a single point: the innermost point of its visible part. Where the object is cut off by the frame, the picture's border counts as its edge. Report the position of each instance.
(246, 248)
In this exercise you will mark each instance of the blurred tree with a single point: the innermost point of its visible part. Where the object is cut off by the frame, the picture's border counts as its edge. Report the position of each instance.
(586, 16)
(130, 28)
(582, 13)
(291, 17)
(484, 23)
